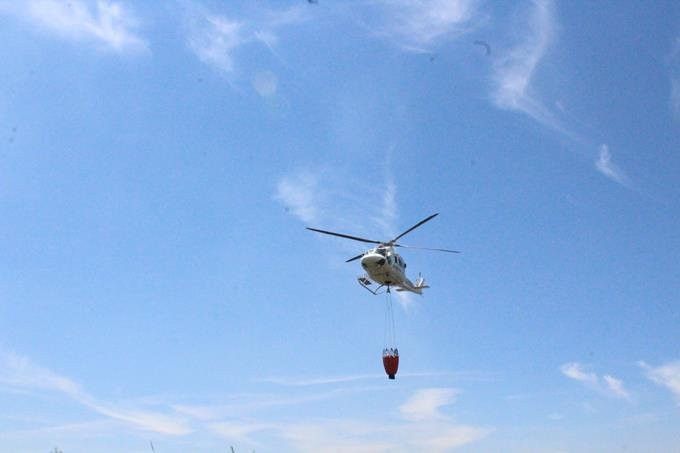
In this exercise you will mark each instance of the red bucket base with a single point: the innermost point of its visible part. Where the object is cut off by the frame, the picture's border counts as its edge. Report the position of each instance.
(391, 364)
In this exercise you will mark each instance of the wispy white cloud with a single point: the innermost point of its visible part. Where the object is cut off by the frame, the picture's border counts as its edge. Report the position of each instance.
(615, 386)
(389, 209)
(216, 38)
(666, 375)
(19, 372)
(674, 65)
(265, 83)
(81, 429)
(575, 371)
(109, 24)
(240, 430)
(514, 74)
(605, 166)
(298, 393)
(141, 419)
(366, 209)
(305, 382)
(514, 71)
(606, 384)
(246, 404)
(425, 403)
(422, 428)
(299, 195)
(443, 437)
(417, 25)
(422, 424)
(675, 96)
(337, 435)
(324, 380)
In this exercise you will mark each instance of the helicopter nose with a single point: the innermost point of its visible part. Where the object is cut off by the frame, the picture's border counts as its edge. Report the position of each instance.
(372, 261)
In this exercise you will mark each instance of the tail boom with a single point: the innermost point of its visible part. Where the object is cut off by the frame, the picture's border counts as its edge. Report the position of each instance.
(417, 288)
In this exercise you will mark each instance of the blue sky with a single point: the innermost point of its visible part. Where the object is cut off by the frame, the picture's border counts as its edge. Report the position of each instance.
(160, 160)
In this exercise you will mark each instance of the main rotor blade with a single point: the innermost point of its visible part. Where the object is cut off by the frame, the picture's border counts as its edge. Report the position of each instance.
(347, 236)
(425, 248)
(413, 228)
(355, 257)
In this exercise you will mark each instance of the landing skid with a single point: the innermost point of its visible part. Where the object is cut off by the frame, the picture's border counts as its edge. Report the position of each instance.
(365, 283)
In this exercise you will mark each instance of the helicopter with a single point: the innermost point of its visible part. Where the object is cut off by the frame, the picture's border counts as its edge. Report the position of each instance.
(383, 265)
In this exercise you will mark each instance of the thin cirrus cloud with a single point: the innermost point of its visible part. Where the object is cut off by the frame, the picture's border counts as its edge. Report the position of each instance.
(305, 382)
(513, 71)
(675, 97)
(608, 168)
(607, 384)
(388, 212)
(426, 403)
(421, 427)
(366, 436)
(110, 25)
(319, 196)
(615, 386)
(214, 39)
(299, 194)
(265, 83)
(674, 64)
(344, 379)
(666, 375)
(19, 372)
(418, 25)
(217, 38)
(421, 424)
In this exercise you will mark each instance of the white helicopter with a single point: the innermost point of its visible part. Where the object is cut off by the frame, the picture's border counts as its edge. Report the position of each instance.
(383, 265)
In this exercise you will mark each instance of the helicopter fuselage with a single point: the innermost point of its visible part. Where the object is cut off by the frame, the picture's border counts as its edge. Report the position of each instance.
(387, 268)
(384, 266)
